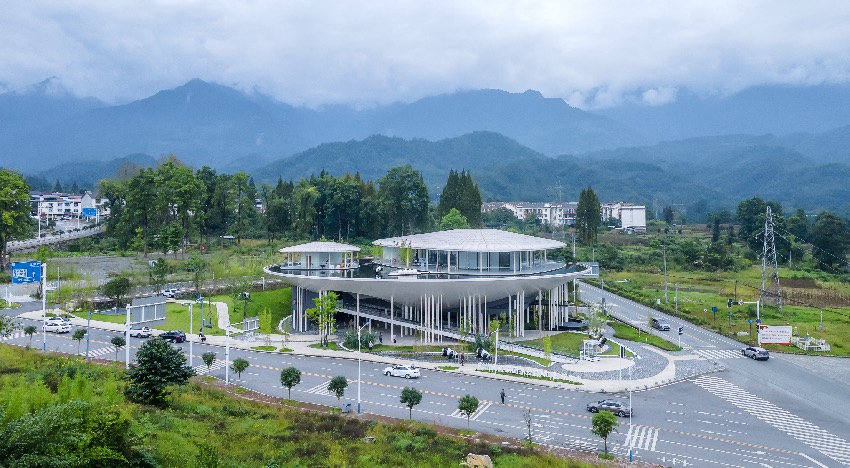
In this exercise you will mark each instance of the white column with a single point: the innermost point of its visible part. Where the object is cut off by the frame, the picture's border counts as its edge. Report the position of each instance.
(392, 317)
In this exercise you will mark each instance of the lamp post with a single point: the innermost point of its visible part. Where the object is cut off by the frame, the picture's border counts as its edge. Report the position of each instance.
(359, 356)
(191, 327)
(88, 336)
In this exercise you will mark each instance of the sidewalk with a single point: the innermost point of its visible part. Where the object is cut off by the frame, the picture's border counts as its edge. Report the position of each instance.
(606, 374)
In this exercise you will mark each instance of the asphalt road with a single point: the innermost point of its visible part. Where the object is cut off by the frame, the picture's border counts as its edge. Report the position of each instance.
(721, 419)
(801, 397)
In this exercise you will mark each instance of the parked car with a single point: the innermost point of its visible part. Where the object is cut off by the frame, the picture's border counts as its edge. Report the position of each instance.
(660, 325)
(140, 332)
(754, 352)
(174, 336)
(171, 293)
(56, 327)
(614, 406)
(408, 372)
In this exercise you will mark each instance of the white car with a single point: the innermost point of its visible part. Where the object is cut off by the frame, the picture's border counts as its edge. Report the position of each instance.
(56, 327)
(143, 332)
(408, 372)
(57, 319)
(171, 293)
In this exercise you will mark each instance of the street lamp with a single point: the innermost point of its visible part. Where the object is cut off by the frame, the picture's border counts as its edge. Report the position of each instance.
(359, 356)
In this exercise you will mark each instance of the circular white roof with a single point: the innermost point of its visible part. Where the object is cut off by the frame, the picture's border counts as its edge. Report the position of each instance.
(472, 240)
(320, 247)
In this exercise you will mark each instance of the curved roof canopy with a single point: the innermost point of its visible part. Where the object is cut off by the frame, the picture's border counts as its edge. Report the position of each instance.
(472, 240)
(320, 247)
(451, 291)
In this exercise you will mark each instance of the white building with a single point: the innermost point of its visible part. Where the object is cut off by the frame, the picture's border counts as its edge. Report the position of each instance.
(631, 217)
(553, 214)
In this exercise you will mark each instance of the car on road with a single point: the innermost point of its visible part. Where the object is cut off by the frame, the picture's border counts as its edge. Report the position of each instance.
(57, 319)
(408, 372)
(56, 327)
(660, 325)
(614, 406)
(755, 352)
(140, 332)
(171, 293)
(174, 336)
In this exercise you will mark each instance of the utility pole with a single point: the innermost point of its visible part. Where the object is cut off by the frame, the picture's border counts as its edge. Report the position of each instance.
(664, 250)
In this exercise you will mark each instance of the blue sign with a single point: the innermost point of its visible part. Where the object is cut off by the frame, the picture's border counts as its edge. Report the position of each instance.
(26, 272)
(89, 212)
(714, 309)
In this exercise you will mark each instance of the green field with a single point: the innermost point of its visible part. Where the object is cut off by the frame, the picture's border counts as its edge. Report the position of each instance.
(58, 409)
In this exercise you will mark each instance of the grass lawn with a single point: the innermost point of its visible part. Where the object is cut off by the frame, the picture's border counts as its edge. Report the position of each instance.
(698, 292)
(628, 333)
(332, 345)
(278, 301)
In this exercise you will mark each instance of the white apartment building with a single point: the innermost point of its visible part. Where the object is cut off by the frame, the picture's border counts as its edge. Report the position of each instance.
(553, 214)
(54, 205)
(631, 217)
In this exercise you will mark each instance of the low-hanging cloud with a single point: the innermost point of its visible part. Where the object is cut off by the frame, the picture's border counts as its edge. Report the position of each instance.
(590, 53)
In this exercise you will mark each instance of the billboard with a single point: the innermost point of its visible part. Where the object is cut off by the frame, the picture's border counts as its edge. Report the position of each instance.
(89, 212)
(773, 334)
(26, 272)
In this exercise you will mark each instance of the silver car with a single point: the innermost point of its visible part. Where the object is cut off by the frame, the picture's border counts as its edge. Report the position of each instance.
(614, 406)
(755, 352)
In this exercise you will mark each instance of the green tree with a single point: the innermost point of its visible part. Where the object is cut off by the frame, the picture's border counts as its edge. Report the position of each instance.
(265, 319)
(245, 209)
(404, 200)
(78, 335)
(198, 266)
(239, 365)
(751, 217)
(410, 397)
(8, 325)
(323, 314)
(158, 366)
(830, 237)
(14, 210)
(30, 330)
(453, 220)
(337, 386)
(289, 378)
(798, 224)
(467, 405)
(140, 211)
(603, 424)
(119, 342)
(209, 359)
(158, 272)
(587, 216)
(116, 289)
(667, 215)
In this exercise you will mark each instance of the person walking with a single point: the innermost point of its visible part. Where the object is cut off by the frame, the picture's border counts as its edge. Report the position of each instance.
(381, 338)
(370, 345)
(462, 358)
(503, 396)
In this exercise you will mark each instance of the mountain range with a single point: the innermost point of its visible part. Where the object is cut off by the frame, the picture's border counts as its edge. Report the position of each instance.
(783, 144)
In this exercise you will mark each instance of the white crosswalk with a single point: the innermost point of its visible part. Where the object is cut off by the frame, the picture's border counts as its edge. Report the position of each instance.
(321, 389)
(828, 444)
(715, 354)
(203, 369)
(13, 336)
(100, 351)
(641, 437)
(474, 416)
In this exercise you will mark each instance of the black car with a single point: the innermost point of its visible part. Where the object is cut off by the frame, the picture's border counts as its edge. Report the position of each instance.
(174, 336)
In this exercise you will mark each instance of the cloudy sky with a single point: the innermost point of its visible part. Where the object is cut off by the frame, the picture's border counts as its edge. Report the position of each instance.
(592, 53)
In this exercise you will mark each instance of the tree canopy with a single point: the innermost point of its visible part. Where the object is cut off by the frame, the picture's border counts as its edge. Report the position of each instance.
(158, 366)
(587, 216)
(14, 210)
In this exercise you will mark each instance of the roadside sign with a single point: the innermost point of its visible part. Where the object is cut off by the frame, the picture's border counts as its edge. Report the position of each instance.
(26, 272)
(89, 212)
(714, 309)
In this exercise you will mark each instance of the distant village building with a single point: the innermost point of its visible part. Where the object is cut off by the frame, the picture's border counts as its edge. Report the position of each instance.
(553, 214)
(68, 205)
(631, 217)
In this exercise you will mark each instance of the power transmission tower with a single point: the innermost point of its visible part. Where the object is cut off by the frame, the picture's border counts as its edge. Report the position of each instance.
(769, 255)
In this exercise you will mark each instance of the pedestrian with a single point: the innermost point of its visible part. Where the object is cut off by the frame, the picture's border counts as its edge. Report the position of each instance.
(201, 331)
(462, 358)
(381, 338)
(394, 339)
(503, 396)
(370, 345)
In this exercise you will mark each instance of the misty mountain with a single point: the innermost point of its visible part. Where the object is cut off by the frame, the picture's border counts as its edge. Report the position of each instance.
(779, 110)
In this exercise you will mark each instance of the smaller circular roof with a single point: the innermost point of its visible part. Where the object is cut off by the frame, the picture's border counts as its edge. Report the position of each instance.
(320, 247)
(472, 240)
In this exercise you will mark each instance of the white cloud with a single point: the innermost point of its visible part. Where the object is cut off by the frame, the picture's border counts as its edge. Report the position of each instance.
(588, 52)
